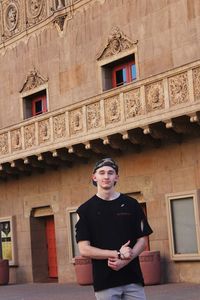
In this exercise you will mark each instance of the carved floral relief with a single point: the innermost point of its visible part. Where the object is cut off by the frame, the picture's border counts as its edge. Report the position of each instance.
(132, 104)
(34, 79)
(76, 121)
(93, 116)
(116, 43)
(29, 136)
(154, 96)
(178, 89)
(112, 110)
(4, 144)
(36, 11)
(59, 126)
(16, 140)
(12, 18)
(44, 131)
(196, 82)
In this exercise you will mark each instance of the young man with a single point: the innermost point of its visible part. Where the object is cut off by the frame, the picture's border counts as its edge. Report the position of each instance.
(111, 230)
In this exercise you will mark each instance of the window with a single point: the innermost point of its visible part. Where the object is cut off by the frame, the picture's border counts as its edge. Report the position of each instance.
(72, 218)
(119, 72)
(35, 104)
(183, 224)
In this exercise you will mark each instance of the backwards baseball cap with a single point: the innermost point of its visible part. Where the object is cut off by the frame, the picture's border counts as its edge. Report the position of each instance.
(109, 162)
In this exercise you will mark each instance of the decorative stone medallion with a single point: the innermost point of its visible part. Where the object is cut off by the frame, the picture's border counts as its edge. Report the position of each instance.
(154, 96)
(93, 116)
(178, 89)
(35, 7)
(76, 121)
(59, 126)
(29, 136)
(196, 83)
(112, 110)
(36, 11)
(16, 140)
(4, 144)
(44, 131)
(11, 16)
(132, 104)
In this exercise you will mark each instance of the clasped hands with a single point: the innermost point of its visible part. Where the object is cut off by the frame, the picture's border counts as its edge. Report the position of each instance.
(126, 256)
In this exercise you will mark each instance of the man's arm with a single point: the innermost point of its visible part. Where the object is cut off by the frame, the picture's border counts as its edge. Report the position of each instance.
(117, 264)
(86, 250)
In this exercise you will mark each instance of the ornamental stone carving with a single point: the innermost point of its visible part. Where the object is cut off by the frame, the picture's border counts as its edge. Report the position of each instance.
(196, 82)
(76, 121)
(4, 144)
(12, 14)
(16, 140)
(154, 96)
(60, 4)
(59, 126)
(93, 116)
(178, 89)
(29, 136)
(36, 11)
(117, 42)
(34, 79)
(44, 131)
(132, 104)
(112, 110)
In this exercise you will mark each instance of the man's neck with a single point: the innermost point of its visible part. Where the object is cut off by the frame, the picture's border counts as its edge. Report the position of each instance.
(107, 194)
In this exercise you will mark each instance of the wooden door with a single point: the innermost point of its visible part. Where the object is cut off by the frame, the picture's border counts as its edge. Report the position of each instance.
(51, 244)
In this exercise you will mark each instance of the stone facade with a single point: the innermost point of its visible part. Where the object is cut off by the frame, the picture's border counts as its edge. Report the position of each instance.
(150, 126)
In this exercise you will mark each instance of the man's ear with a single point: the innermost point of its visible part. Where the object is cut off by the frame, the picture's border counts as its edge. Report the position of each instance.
(94, 178)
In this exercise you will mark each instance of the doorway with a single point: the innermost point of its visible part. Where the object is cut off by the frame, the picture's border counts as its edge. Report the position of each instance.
(43, 247)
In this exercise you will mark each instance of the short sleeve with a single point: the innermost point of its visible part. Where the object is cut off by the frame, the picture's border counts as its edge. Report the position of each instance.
(82, 228)
(143, 227)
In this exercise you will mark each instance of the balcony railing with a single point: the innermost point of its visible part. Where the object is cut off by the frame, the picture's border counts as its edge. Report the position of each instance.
(161, 98)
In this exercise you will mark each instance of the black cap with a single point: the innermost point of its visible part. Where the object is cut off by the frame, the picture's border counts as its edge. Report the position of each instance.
(109, 162)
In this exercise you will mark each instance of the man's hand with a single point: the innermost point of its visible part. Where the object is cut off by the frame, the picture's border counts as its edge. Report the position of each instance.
(116, 264)
(126, 251)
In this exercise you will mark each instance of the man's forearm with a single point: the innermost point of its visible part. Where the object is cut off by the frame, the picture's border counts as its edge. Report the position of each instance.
(87, 250)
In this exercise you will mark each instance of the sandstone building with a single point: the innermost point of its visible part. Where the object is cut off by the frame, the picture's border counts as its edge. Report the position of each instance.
(86, 79)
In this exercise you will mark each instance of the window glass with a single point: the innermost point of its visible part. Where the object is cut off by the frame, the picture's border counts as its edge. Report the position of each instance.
(120, 76)
(184, 229)
(38, 107)
(133, 72)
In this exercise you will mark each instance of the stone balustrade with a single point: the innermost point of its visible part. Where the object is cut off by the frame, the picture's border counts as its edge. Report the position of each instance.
(139, 104)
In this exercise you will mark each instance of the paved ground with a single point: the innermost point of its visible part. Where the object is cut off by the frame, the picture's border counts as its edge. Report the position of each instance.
(54, 291)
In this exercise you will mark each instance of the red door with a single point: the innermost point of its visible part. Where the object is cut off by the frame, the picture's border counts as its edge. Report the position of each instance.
(51, 244)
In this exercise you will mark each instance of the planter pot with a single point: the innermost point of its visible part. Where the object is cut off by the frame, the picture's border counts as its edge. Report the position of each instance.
(4, 271)
(83, 270)
(150, 266)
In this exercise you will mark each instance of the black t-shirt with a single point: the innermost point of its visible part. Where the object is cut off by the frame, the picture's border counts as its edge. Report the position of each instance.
(109, 225)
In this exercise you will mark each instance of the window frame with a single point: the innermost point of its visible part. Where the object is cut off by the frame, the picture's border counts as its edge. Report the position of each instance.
(101, 65)
(43, 99)
(127, 66)
(69, 211)
(196, 205)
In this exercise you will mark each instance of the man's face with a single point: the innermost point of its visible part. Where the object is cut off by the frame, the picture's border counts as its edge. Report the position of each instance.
(105, 177)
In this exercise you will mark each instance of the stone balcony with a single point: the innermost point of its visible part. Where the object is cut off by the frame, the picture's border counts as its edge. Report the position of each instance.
(160, 109)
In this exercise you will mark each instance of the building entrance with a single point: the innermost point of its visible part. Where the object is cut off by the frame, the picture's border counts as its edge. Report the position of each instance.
(43, 247)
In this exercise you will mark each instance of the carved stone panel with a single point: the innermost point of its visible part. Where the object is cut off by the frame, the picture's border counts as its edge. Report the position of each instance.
(116, 43)
(154, 96)
(16, 140)
(94, 116)
(44, 131)
(112, 110)
(4, 144)
(132, 104)
(13, 18)
(59, 126)
(33, 80)
(178, 89)
(36, 11)
(29, 136)
(196, 82)
(76, 121)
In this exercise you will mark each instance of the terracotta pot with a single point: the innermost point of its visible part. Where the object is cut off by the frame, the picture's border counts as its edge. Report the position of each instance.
(83, 269)
(150, 266)
(4, 271)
